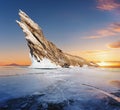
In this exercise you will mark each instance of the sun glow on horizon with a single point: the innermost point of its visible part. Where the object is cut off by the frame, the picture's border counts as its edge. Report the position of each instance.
(104, 57)
(109, 64)
(104, 64)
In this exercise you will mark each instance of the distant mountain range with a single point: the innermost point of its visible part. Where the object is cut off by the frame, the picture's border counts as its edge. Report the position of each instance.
(117, 66)
(14, 64)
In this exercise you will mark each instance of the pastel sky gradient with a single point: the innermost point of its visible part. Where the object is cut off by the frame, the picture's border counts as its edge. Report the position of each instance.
(87, 28)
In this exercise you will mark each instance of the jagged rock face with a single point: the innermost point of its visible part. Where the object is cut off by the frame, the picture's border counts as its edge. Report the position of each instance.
(41, 48)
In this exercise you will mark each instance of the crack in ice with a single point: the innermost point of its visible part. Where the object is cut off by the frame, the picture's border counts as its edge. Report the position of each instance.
(104, 92)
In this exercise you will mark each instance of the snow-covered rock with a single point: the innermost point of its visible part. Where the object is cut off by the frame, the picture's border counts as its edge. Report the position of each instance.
(44, 53)
(44, 63)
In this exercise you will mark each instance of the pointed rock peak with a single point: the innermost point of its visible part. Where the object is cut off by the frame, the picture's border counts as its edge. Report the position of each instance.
(22, 13)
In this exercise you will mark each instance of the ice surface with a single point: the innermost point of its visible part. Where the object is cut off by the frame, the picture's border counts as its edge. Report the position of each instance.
(57, 85)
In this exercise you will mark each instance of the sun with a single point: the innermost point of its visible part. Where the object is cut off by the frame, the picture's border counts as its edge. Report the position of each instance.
(103, 63)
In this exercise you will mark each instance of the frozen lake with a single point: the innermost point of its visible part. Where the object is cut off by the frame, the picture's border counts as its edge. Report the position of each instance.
(58, 85)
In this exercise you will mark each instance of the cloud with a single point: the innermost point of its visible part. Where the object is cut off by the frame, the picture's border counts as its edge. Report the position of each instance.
(111, 30)
(95, 51)
(108, 5)
(114, 44)
(116, 27)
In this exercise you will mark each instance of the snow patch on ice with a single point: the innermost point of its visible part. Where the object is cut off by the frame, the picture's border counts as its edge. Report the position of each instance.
(44, 63)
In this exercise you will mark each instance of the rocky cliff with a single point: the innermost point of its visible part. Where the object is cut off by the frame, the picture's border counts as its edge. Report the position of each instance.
(41, 48)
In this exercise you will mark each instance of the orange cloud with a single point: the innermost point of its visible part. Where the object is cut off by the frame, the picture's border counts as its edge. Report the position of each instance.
(98, 55)
(95, 51)
(116, 27)
(114, 44)
(108, 5)
(111, 30)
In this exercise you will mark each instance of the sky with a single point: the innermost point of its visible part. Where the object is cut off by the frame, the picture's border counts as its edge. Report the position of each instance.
(87, 28)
